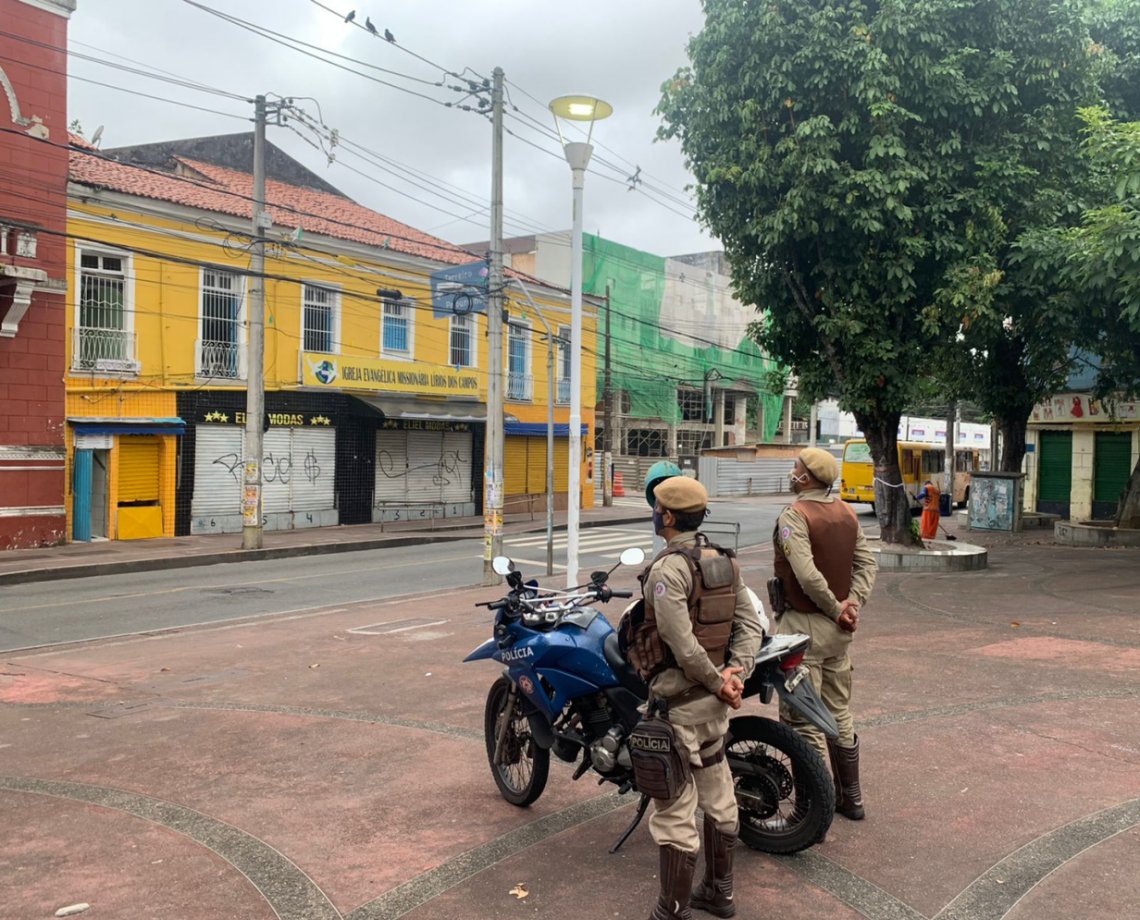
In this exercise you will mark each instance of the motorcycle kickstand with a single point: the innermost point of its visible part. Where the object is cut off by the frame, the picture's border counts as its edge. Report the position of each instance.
(508, 714)
(641, 806)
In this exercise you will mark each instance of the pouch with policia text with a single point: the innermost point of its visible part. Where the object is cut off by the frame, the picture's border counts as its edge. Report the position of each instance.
(660, 764)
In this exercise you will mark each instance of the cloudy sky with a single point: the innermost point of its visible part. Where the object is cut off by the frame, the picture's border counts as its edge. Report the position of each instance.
(408, 147)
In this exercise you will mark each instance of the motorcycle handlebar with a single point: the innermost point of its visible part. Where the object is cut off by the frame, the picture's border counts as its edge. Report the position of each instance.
(621, 594)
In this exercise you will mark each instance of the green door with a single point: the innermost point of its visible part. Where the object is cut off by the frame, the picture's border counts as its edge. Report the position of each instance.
(1112, 465)
(1055, 475)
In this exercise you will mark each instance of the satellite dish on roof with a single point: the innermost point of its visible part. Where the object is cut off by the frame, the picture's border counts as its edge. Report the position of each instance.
(97, 136)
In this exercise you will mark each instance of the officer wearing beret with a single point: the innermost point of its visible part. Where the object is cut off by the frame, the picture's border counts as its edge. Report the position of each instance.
(827, 572)
(702, 681)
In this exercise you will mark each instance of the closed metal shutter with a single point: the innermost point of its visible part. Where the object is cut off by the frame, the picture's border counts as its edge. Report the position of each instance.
(297, 469)
(1112, 465)
(515, 465)
(138, 469)
(424, 448)
(536, 465)
(455, 467)
(1055, 482)
(391, 466)
(314, 466)
(218, 471)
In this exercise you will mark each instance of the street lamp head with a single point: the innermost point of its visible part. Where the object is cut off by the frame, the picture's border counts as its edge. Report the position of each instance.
(579, 107)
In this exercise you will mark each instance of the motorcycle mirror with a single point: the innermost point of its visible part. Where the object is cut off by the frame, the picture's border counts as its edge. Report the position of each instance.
(502, 565)
(635, 555)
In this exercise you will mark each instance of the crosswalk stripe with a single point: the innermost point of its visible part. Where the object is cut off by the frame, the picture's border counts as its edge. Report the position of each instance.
(583, 539)
(587, 545)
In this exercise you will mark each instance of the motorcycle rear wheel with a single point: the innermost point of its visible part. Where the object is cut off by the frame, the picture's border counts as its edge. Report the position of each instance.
(521, 777)
(783, 788)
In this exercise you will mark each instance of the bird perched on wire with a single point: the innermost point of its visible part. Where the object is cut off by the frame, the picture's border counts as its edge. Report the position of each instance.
(389, 36)
(351, 16)
(368, 25)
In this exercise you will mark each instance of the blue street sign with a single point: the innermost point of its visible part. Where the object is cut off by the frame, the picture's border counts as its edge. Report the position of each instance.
(459, 289)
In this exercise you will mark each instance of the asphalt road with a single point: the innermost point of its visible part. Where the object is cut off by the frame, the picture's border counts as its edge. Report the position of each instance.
(48, 613)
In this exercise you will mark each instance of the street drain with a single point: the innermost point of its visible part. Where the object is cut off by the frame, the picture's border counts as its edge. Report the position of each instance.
(237, 589)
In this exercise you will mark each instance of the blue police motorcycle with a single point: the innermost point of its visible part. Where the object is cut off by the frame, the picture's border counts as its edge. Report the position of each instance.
(566, 689)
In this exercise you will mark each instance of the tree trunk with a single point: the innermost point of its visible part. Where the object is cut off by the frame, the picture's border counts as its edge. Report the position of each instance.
(1013, 442)
(892, 504)
(1128, 511)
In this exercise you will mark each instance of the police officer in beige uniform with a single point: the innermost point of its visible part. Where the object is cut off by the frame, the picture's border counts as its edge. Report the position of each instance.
(701, 678)
(827, 572)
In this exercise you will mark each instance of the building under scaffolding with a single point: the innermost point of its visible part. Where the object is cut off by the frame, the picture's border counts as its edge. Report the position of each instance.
(684, 374)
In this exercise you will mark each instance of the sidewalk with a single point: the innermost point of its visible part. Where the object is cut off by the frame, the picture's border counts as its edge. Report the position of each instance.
(80, 560)
(331, 765)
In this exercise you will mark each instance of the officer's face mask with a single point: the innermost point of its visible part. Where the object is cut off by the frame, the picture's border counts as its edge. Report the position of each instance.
(658, 520)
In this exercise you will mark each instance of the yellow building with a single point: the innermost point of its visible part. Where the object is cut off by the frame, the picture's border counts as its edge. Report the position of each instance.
(375, 393)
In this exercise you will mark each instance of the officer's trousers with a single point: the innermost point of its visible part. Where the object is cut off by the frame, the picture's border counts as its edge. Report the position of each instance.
(674, 822)
(829, 670)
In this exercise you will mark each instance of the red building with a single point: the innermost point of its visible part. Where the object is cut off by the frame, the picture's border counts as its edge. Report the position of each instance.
(33, 212)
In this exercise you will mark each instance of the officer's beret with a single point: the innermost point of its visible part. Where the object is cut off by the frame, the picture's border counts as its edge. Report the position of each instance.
(680, 493)
(820, 463)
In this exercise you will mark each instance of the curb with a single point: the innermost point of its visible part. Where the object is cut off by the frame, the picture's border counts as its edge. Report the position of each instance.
(88, 570)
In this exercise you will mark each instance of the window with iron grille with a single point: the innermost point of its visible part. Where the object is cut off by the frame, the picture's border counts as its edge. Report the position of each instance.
(518, 362)
(692, 405)
(396, 337)
(461, 354)
(219, 343)
(102, 332)
(563, 364)
(645, 442)
(729, 409)
(320, 317)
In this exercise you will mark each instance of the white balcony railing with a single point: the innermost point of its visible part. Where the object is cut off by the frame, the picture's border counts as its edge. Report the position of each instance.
(519, 386)
(110, 350)
(219, 360)
(562, 393)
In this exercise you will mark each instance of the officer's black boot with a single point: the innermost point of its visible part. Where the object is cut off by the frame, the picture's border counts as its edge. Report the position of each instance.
(676, 881)
(714, 894)
(845, 771)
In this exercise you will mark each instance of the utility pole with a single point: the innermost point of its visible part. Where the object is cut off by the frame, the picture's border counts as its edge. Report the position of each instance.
(493, 456)
(608, 415)
(951, 417)
(252, 531)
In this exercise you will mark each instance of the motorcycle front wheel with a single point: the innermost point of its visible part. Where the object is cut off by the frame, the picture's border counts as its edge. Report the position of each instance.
(783, 789)
(522, 767)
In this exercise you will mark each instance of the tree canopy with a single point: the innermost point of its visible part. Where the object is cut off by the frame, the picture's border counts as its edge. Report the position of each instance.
(867, 166)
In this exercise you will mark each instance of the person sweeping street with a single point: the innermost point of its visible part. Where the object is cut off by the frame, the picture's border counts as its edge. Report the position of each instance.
(930, 497)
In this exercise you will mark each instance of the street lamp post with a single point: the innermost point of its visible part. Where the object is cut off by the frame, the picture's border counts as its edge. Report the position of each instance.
(587, 109)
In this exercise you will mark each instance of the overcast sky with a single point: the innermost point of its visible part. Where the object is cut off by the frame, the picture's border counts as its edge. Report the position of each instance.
(620, 50)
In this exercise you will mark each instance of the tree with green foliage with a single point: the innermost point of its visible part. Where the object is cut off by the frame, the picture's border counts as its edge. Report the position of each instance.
(1099, 261)
(1019, 326)
(857, 160)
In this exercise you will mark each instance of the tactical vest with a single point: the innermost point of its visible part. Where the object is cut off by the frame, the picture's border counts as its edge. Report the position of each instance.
(832, 529)
(712, 606)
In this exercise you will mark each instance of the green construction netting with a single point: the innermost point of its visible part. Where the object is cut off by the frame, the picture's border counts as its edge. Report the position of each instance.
(680, 357)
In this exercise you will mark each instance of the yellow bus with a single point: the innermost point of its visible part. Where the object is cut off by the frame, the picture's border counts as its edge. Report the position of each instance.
(918, 462)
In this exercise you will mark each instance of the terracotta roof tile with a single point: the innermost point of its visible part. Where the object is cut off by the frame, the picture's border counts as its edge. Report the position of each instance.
(227, 191)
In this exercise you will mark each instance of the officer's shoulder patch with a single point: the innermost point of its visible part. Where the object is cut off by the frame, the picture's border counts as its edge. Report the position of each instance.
(659, 589)
(785, 532)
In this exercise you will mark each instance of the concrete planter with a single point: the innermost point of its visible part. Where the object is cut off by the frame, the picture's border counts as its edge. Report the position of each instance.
(941, 557)
(1093, 533)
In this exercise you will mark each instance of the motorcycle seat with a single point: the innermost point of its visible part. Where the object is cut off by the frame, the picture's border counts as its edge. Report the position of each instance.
(622, 669)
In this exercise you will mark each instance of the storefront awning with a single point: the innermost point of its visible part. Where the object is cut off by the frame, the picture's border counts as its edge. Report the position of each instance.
(140, 425)
(451, 410)
(536, 429)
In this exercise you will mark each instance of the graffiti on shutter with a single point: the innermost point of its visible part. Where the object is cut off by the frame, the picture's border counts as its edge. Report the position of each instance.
(216, 504)
(422, 475)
